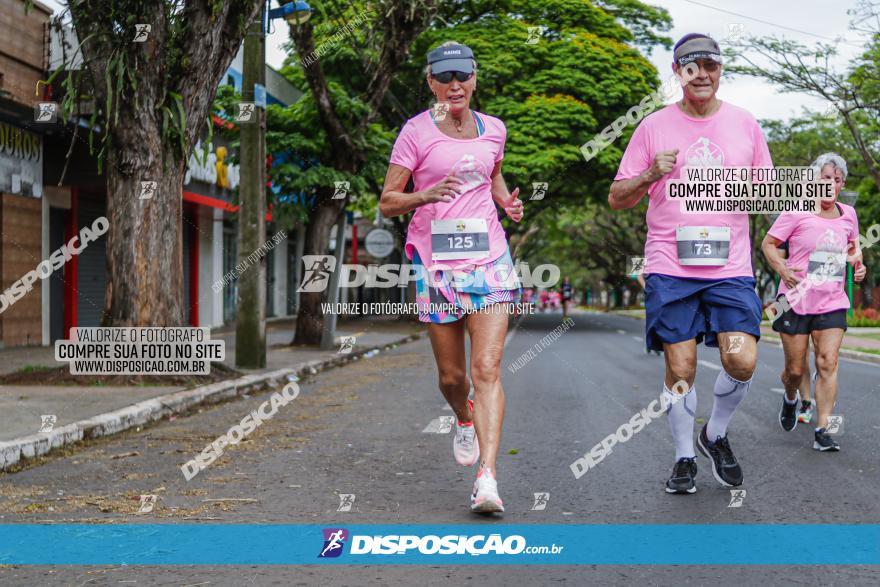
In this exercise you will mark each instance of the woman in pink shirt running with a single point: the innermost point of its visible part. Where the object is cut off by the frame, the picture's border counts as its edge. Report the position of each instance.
(465, 280)
(812, 283)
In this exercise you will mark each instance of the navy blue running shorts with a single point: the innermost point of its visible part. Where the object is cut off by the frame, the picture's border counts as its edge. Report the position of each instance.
(681, 308)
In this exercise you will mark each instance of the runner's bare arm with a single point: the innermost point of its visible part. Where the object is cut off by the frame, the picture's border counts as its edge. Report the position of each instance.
(854, 256)
(504, 198)
(394, 201)
(770, 248)
(626, 193)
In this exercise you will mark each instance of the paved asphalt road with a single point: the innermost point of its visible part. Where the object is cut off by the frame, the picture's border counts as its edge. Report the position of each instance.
(359, 430)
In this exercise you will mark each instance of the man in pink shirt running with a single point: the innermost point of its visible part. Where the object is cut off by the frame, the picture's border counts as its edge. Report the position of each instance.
(701, 286)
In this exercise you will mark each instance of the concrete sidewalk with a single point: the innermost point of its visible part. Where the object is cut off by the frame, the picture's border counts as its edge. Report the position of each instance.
(83, 412)
(852, 341)
(279, 333)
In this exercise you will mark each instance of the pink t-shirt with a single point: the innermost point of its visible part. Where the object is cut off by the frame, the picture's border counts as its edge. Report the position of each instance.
(814, 241)
(729, 138)
(431, 155)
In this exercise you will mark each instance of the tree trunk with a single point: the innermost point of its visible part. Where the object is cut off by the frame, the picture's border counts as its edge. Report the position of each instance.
(634, 289)
(144, 247)
(310, 318)
(618, 297)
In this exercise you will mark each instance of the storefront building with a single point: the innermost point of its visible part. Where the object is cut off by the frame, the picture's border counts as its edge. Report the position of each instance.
(50, 188)
(22, 193)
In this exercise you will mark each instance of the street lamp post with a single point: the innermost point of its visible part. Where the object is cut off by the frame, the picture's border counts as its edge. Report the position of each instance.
(250, 329)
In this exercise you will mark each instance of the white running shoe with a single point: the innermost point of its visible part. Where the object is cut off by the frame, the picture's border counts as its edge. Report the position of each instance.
(485, 498)
(465, 446)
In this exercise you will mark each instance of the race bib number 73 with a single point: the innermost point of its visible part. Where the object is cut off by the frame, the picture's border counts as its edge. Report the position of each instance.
(703, 245)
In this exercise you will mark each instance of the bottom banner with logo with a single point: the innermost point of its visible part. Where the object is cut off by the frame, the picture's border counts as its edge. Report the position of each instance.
(283, 544)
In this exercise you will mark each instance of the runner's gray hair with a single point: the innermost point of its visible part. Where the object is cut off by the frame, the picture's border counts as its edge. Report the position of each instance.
(832, 159)
(447, 44)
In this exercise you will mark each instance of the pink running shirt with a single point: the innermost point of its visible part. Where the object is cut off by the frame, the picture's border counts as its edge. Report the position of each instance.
(813, 238)
(729, 138)
(431, 155)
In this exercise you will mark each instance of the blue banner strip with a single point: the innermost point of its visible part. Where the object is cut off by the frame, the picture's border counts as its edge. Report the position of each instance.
(289, 544)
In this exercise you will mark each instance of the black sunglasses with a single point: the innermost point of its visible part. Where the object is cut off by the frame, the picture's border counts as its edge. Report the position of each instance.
(446, 76)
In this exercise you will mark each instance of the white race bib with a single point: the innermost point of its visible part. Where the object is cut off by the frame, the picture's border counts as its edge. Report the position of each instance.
(703, 245)
(460, 238)
(826, 266)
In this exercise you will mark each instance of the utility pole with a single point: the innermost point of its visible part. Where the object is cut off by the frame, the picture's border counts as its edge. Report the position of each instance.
(328, 339)
(250, 329)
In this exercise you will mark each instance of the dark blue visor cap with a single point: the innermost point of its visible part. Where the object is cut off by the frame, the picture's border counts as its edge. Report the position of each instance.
(451, 58)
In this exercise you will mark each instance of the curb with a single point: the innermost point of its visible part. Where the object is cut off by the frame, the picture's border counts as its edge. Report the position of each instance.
(775, 340)
(844, 352)
(35, 445)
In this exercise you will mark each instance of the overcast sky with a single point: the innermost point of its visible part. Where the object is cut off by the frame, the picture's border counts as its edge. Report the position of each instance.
(807, 21)
(813, 20)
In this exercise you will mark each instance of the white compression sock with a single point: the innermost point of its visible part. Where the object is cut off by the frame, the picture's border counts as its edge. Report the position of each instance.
(728, 393)
(680, 415)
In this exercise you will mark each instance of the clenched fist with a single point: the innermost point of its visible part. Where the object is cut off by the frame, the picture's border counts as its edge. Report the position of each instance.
(664, 162)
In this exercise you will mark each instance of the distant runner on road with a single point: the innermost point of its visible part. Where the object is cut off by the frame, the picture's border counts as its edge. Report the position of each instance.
(812, 282)
(453, 155)
(701, 285)
(567, 295)
(805, 412)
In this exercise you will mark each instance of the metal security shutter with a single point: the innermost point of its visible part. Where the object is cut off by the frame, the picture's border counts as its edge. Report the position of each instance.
(92, 278)
(57, 223)
(292, 285)
(230, 290)
(187, 245)
(270, 281)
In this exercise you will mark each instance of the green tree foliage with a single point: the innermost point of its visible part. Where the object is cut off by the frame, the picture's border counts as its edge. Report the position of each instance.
(573, 80)
(584, 71)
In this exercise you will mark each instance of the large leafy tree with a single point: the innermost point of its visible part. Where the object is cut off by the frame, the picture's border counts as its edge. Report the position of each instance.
(150, 100)
(581, 71)
(340, 116)
(554, 95)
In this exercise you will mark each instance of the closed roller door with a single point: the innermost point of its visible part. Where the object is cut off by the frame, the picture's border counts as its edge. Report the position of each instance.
(57, 223)
(187, 245)
(92, 279)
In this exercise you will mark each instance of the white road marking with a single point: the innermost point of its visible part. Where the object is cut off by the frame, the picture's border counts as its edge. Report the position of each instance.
(619, 331)
(709, 364)
(441, 425)
(511, 333)
(851, 360)
(777, 389)
(638, 338)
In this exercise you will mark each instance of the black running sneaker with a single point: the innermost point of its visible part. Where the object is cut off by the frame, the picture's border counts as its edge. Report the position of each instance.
(724, 466)
(683, 473)
(788, 415)
(823, 441)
